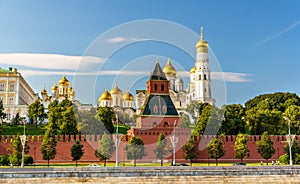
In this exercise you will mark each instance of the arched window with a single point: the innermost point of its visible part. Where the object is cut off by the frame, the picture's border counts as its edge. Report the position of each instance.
(154, 124)
(155, 109)
(199, 77)
(204, 76)
(155, 87)
(164, 109)
(166, 124)
(162, 87)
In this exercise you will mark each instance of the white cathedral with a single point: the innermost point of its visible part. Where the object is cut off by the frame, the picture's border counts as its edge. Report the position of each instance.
(198, 88)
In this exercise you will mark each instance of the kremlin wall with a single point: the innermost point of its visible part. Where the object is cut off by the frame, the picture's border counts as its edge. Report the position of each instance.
(90, 143)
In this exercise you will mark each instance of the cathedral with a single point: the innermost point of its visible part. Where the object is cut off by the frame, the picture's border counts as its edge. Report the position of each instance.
(198, 87)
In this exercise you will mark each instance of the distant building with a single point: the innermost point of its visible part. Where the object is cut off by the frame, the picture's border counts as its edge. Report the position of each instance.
(122, 103)
(199, 85)
(15, 93)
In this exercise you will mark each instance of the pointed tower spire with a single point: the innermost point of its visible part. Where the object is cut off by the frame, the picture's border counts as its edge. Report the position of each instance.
(156, 59)
(201, 33)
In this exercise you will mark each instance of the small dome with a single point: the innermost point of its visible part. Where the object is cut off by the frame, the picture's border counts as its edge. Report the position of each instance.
(202, 45)
(178, 80)
(169, 70)
(116, 90)
(63, 81)
(54, 87)
(105, 96)
(193, 70)
(127, 97)
(44, 92)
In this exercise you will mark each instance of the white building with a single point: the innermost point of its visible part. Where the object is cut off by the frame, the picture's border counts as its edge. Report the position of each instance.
(15, 93)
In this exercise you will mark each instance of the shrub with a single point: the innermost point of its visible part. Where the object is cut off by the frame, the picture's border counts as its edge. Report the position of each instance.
(4, 160)
(28, 160)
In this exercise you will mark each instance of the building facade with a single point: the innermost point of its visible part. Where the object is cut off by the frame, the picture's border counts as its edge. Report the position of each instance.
(15, 93)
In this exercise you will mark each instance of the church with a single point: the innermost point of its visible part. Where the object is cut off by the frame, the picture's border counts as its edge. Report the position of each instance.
(199, 85)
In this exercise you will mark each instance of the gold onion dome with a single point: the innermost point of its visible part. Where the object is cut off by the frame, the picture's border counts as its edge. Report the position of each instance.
(169, 70)
(127, 97)
(44, 92)
(116, 90)
(202, 45)
(193, 70)
(105, 96)
(54, 87)
(63, 81)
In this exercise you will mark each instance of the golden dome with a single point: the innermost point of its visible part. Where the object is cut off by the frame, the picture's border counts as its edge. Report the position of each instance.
(127, 97)
(193, 70)
(44, 92)
(116, 90)
(169, 70)
(105, 96)
(202, 45)
(54, 87)
(63, 81)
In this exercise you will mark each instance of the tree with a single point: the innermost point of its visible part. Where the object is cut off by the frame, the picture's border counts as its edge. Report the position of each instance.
(48, 148)
(105, 114)
(215, 149)
(233, 122)
(189, 150)
(69, 124)
(265, 147)
(77, 151)
(17, 119)
(184, 121)
(161, 148)
(240, 147)
(295, 150)
(293, 113)
(17, 147)
(135, 149)
(2, 113)
(35, 111)
(105, 149)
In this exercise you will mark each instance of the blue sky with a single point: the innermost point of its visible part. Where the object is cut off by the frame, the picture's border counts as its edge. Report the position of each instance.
(255, 42)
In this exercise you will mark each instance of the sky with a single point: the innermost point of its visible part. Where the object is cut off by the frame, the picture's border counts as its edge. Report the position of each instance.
(254, 45)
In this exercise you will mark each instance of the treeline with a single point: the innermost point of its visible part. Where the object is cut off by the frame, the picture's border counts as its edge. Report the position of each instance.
(264, 113)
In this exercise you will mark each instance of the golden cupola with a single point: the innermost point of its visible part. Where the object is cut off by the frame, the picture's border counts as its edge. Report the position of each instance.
(193, 70)
(105, 96)
(169, 70)
(202, 45)
(70, 90)
(54, 87)
(116, 90)
(44, 92)
(63, 81)
(127, 97)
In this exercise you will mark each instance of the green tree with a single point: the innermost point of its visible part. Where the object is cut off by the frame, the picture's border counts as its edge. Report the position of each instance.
(77, 151)
(295, 151)
(161, 148)
(265, 147)
(184, 121)
(189, 150)
(36, 111)
(105, 149)
(69, 124)
(215, 149)
(293, 113)
(106, 115)
(48, 148)
(240, 147)
(2, 113)
(17, 149)
(233, 122)
(135, 149)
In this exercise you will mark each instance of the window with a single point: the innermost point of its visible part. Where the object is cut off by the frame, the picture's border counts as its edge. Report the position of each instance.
(155, 109)
(163, 87)
(12, 87)
(166, 124)
(154, 124)
(199, 77)
(11, 100)
(164, 109)
(2, 86)
(155, 87)
(205, 77)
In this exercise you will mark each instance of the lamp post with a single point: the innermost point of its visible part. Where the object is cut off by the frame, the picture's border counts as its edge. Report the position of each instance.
(174, 141)
(23, 141)
(117, 141)
(290, 139)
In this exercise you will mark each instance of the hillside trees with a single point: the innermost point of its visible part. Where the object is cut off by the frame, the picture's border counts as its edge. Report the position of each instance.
(36, 112)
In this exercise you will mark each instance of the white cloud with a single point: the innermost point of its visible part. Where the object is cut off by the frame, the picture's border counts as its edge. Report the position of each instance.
(47, 61)
(120, 39)
(292, 26)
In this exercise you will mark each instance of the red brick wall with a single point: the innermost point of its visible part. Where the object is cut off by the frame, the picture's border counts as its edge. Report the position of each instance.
(90, 143)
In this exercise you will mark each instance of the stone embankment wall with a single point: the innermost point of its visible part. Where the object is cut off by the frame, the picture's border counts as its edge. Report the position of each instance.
(243, 174)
